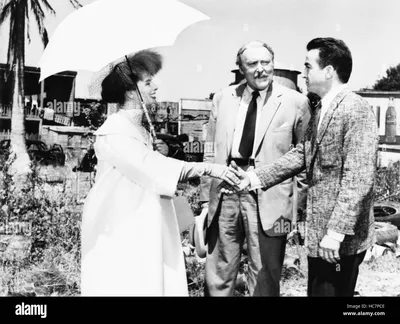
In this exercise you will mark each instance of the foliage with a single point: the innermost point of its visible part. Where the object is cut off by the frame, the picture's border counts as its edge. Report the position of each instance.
(75, 3)
(387, 183)
(57, 275)
(18, 13)
(54, 261)
(54, 218)
(191, 190)
(93, 116)
(390, 82)
(195, 276)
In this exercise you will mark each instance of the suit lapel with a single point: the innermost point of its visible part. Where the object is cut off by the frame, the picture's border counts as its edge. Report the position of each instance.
(231, 113)
(325, 123)
(268, 112)
(329, 113)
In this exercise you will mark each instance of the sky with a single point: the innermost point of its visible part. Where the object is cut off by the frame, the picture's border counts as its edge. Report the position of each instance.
(202, 58)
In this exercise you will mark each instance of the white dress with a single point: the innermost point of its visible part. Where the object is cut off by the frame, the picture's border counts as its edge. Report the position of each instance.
(130, 238)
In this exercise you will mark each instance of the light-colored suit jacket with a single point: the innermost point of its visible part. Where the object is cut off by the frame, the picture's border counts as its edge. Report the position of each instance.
(341, 167)
(282, 125)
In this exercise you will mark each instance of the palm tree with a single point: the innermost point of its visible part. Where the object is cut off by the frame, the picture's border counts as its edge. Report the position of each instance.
(18, 12)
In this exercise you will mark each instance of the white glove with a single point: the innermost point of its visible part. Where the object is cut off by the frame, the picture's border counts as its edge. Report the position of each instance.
(196, 170)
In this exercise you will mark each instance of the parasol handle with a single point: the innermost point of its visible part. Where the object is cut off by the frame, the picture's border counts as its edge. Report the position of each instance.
(146, 112)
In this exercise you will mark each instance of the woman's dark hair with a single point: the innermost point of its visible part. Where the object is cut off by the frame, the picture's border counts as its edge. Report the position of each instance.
(333, 52)
(126, 74)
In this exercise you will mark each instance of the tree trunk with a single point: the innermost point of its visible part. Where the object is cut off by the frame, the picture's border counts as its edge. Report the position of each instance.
(21, 165)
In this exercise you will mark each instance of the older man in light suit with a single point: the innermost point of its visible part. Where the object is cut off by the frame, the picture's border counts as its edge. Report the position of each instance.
(339, 153)
(253, 124)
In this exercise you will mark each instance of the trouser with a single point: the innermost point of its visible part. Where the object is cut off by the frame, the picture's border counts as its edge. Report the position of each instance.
(333, 279)
(238, 219)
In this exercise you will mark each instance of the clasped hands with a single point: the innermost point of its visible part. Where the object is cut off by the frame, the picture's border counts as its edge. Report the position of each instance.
(230, 187)
(328, 247)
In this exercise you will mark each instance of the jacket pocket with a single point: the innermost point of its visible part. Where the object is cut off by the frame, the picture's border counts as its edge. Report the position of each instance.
(329, 155)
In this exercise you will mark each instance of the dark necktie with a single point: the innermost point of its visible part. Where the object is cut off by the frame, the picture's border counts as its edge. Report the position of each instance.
(249, 128)
(317, 113)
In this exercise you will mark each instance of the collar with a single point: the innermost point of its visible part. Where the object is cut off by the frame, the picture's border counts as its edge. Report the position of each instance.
(135, 116)
(332, 93)
(263, 93)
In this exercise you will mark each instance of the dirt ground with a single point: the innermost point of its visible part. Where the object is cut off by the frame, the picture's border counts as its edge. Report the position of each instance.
(379, 275)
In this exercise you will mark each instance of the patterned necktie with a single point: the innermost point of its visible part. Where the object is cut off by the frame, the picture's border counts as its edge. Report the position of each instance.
(249, 128)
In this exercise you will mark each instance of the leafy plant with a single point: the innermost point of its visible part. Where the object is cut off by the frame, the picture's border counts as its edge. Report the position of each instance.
(390, 82)
(53, 260)
(387, 183)
(95, 115)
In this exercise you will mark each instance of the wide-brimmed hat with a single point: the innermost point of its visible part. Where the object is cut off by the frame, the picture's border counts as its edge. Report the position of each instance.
(197, 234)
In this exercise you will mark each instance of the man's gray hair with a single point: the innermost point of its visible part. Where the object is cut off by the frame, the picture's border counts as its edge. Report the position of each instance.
(256, 43)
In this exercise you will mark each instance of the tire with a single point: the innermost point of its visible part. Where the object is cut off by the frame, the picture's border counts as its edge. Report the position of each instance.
(387, 211)
(386, 232)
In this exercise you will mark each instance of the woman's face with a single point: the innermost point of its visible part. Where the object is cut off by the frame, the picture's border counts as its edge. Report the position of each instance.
(147, 88)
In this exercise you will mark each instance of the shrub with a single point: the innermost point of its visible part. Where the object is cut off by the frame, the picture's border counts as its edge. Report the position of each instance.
(53, 260)
(387, 185)
(191, 190)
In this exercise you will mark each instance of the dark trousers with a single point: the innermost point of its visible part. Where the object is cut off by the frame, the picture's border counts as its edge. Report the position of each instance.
(333, 279)
(238, 220)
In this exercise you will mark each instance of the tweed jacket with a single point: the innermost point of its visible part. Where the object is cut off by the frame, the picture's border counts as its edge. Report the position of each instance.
(282, 125)
(341, 166)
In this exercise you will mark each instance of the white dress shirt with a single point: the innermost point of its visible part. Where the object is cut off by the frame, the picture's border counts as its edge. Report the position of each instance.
(241, 118)
(327, 100)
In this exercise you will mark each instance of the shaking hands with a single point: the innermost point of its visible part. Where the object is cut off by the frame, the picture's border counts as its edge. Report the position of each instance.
(229, 187)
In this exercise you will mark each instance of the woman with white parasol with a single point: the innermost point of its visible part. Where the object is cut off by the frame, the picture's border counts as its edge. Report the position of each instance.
(130, 237)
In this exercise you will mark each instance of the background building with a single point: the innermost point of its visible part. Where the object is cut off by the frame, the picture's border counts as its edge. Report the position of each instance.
(389, 151)
(55, 91)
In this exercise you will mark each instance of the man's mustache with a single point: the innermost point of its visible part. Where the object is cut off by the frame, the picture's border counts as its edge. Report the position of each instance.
(259, 75)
